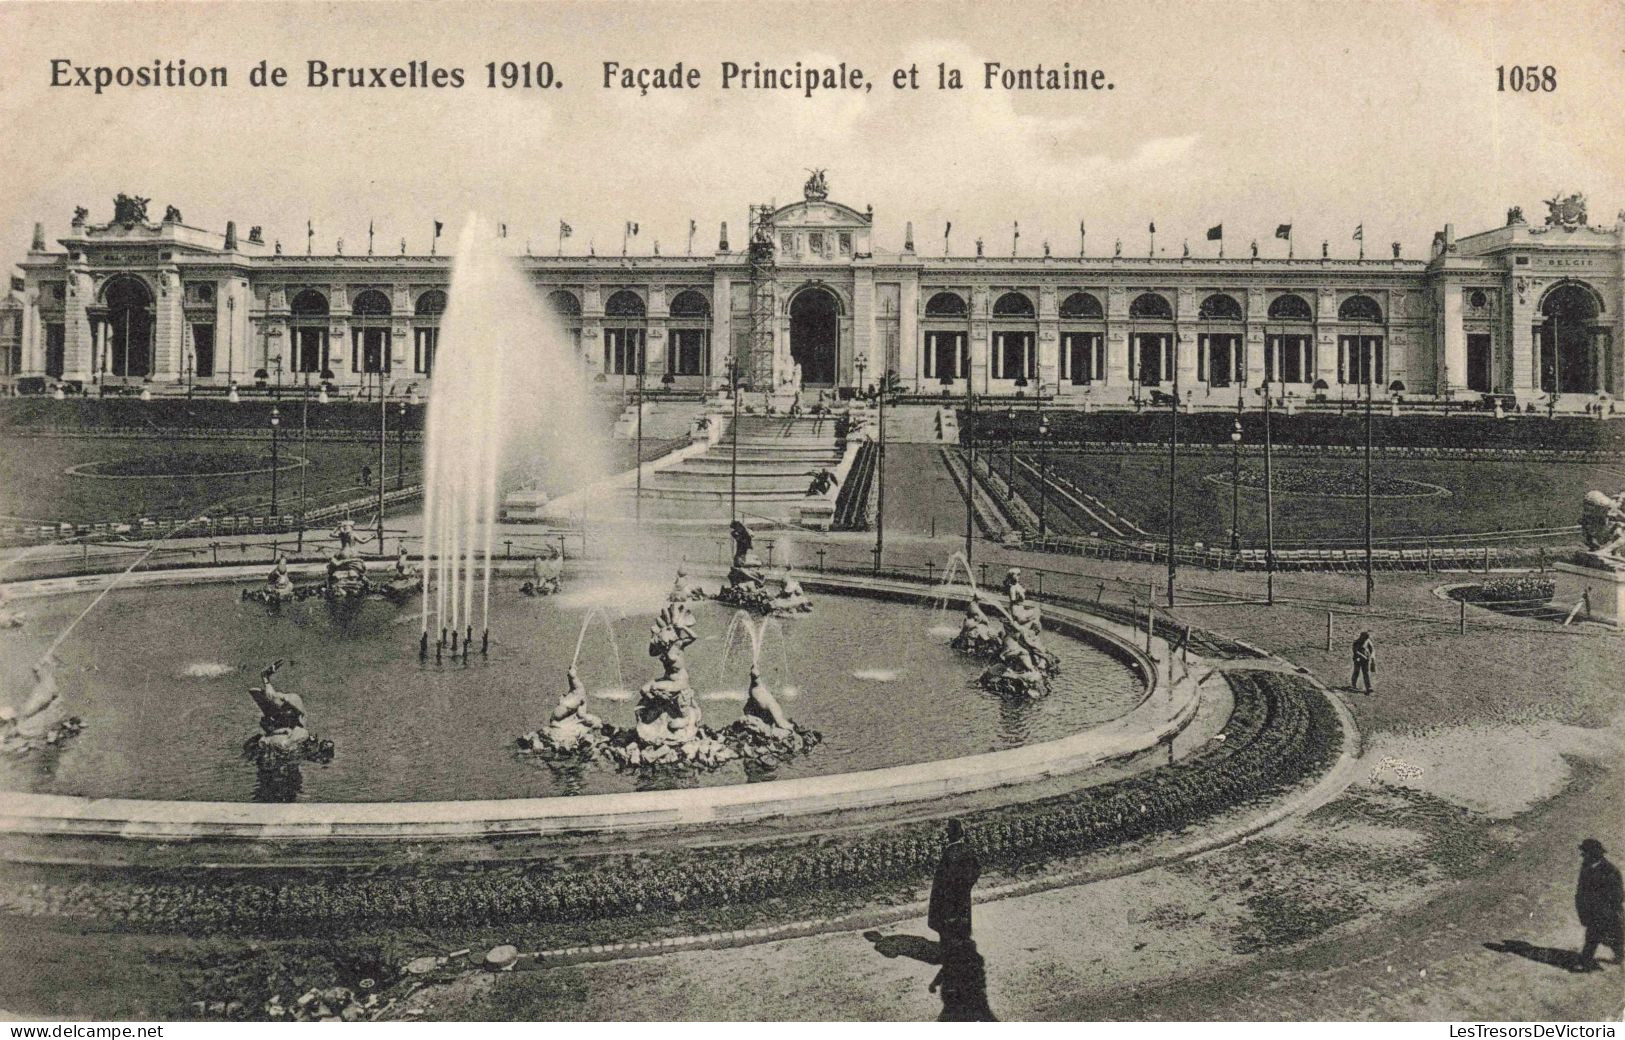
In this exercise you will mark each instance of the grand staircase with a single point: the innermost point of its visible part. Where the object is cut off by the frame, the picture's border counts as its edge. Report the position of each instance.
(777, 458)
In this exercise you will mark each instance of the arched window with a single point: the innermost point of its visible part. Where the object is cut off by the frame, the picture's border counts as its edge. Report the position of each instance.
(1219, 307)
(311, 352)
(371, 304)
(690, 304)
(1359, 308)
(369, 335)
(1152, 306)
(624, 335)
(1081, 306)
(1290, 307)
(1013, 305)
(624, 304)
(309, 303)
(426, 336)
(688, 340)
(945, 305)
(431, 304)
(564, 303)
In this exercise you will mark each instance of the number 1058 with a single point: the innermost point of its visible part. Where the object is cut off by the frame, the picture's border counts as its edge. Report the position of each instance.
(1526, 79)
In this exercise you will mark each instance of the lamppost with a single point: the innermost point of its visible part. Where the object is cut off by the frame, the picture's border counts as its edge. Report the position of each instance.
(1235, 482)
(637, 493)
(733, 436)
(1043, 474)
(1173, 467)
(400, 450)
(861, 363)
(276, 421)
(191, 365)
(1367, 359)
(231, 347)
(383, 430)
(1010, 441)
(970, 469)
(1269, 501)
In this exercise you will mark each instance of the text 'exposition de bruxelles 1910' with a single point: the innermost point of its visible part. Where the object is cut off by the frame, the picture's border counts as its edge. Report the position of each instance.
(795, 77)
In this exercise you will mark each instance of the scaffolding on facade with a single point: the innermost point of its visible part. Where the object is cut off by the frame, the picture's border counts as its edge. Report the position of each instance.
(758, 363)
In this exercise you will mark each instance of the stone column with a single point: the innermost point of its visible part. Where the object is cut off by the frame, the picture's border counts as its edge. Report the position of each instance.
(722, 327)
(76, 353)
(980, 340)
(1325, 338)
(1048, 339)
(1453, 355)
(910, 339)
(1115, 340)
(169, 328)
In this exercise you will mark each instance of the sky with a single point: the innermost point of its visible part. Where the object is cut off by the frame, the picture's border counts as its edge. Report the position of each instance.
(1326, 115)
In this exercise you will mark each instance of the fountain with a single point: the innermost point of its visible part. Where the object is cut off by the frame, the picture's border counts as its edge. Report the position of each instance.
(1011, 636)
(748, 577)
(667, 729)
(507, 385)
(283, 740)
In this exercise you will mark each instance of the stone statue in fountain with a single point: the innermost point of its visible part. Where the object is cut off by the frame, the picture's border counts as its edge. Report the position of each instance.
(39, 721)
(10, 618)
(571, 728)
(546, 570)
(763, 729)
(667, 730)
(682, 590)
(279, 584)
(283, 737)
(792, 599)
(979, 635)
(1602, 524)
(747, 576)
(1023, 665)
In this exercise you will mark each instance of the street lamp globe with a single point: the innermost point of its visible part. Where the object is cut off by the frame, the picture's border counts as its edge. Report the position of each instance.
(1235, 432)
(276, 417)
(231, 395)
(321, 395)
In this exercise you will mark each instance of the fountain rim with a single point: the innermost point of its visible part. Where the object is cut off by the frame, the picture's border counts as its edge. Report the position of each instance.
(1165, 708)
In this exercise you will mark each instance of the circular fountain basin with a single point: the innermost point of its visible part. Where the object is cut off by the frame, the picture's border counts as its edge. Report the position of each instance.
(161, 676)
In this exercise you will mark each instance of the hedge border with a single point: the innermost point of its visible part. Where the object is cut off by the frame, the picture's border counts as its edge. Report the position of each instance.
(1282, 731)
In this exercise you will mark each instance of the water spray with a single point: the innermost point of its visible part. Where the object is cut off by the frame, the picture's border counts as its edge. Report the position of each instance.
(423, 646)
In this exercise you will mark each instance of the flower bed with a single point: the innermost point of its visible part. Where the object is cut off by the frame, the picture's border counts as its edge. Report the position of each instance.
(1525, 589)
(1282, 731)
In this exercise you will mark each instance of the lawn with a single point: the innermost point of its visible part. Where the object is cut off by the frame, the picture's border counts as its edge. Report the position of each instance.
(1327, 500)
(35, 484)
(230, 475)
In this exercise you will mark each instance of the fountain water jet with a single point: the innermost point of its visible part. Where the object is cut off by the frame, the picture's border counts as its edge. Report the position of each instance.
(508, 384)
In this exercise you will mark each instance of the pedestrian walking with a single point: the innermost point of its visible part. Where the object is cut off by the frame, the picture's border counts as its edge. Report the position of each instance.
(1365, 661)
(949, 913)
(1597, 901)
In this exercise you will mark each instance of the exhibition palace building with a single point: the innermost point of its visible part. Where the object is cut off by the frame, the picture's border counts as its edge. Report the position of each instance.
(1526, 310)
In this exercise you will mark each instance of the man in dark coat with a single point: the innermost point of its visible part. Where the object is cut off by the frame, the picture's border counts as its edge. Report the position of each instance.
(1597, 900)
(1365, 659)
(949, 915)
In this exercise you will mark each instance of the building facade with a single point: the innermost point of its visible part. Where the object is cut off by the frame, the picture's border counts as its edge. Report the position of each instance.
(1524, 310)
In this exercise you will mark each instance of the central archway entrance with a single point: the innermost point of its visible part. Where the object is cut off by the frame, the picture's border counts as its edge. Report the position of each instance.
(815, 335)
(129, 328)
(1574, 345)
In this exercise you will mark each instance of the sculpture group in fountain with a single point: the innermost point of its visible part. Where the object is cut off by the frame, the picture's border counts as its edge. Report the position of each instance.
(9, 617)
(546, 573)
(346, 579)
(283, 739)
(747, 586)
(667, 730)
(1012, 636)
(1602, 523)
(39, 721)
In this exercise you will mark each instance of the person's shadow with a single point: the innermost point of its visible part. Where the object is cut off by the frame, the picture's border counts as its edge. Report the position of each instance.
(1568, 960)
(961, 980)
(914, 947)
